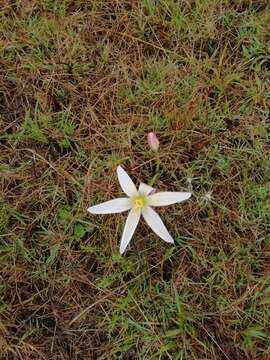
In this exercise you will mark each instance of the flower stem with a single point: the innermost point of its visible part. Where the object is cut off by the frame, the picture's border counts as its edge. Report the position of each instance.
(157, 173)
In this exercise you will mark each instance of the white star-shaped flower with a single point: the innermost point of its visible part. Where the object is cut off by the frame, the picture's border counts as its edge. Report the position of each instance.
(139, 202)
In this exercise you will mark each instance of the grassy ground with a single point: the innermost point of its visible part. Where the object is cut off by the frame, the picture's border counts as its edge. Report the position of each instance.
(81, 84)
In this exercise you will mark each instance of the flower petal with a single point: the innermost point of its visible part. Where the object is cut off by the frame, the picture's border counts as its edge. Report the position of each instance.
(145, 189)
(125, 182)
(154, 221)
(111, 206)
(167, 198)
(130, 226)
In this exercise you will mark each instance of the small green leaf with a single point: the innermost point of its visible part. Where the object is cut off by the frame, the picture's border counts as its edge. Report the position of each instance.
(173, 333)
(79, 231)
(64, 215)
(107, 280)
(254, 332)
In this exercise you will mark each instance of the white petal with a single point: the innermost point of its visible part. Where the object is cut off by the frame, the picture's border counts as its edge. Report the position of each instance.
(154, 221)
(145, 189)
(111, 206)
(130, 226)
(126, 183)
(167, 198)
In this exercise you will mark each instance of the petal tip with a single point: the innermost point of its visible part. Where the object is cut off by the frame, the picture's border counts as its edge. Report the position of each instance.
(123, 249)
(169, 239)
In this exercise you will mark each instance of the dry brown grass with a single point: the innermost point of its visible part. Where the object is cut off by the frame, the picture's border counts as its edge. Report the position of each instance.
(81, 84)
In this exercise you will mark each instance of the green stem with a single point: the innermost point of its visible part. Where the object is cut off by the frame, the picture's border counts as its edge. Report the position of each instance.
(157, 173)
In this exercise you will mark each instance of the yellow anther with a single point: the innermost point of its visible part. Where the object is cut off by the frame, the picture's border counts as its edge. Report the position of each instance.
(139, 202)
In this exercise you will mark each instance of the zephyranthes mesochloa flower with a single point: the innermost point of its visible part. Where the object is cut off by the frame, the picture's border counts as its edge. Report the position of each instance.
(139, 202)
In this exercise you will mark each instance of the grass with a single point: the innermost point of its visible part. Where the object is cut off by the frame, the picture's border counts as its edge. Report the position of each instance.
(81, 84)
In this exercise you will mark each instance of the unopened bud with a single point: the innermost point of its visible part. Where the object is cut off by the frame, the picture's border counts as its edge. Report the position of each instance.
(153, 141)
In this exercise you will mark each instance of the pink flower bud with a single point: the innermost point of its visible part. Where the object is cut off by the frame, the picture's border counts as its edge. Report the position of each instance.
(153, 141)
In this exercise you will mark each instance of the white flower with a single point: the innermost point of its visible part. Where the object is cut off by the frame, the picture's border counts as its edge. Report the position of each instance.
(139, 202)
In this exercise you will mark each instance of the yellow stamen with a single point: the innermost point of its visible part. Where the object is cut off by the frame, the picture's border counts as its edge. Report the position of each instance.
(139, 202)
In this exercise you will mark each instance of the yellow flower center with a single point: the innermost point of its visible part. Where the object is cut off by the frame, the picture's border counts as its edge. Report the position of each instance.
(140, 202)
